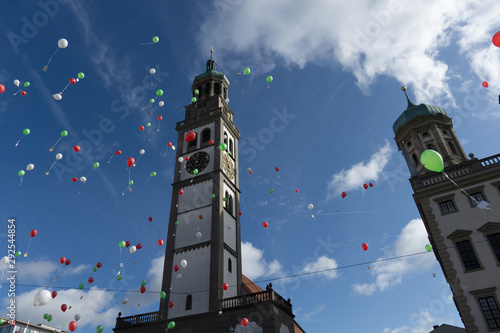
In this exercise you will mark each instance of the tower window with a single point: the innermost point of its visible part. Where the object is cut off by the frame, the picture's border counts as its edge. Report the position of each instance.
(415, 159)
(490, 311)
(408, 144)
(229, 265)
(216, 88)
(425, 134)
(230, 204)
(494, 240)
(447, 207)
(205, 137)
(225, 138)
(192, 144)
(226, 202)
(189, 302)
(452, 147)
(445, 132)
(431, 146)
(231, 146)
(200, 91)
(467, 255)
(476, 198)
(207, 89)
(225, 93)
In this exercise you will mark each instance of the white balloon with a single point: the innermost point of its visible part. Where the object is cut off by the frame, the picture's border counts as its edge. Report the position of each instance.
(198, 235)
(5, 260)
(77, 80)
(77, 317)
(17, 83)
(248, 169)
(124, 301)
(161, 103)
(227, 100)
(30, 167)
(42, 297)
(132, 249)
(184, 263)
(229, 227)
(142, 151)
(62, 43)
(310, 206)
(152, 70)
(173, 147)
(180, 159)
(178, 276)
(83, 179)
(57, 97)
(58, 156)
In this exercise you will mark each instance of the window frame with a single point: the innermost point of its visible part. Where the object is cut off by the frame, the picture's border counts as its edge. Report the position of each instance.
(449, 197)
(229, 265)
(482, 294)
(491, 228)
(189, 302)
(474, 190)
(459, 236)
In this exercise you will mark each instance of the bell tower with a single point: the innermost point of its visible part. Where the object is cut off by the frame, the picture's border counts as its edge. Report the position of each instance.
(204, 226)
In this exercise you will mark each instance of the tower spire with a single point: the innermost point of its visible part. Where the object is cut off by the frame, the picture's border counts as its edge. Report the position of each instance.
(410, 104)
(211, 64)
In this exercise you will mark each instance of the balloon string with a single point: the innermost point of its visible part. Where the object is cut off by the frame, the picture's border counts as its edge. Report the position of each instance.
(55, 278)
(158, 129)
(21, 184)
(461, 189)
(65, 88)
(29, 243)
(146, 43)
(47, 173)
(29, 319)
(18, 141)
(90, 172)
(17, 92)
(109, 161)
(51, 149)
(51, 58)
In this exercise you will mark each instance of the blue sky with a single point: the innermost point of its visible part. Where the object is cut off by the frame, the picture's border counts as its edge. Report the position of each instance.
(325, 121)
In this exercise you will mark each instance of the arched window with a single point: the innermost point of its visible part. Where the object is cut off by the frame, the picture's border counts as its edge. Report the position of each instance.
(229, 265)
(231, 146)
(230, 204)
(216, 88)
(207, 89)
(192, 144)
(415, 159)
(425, 134)
(431, 146)
(452, 147)
(226, 202)
(225, 93)
(189, 302)
(408, 144)
(205, 137)
(225, 138)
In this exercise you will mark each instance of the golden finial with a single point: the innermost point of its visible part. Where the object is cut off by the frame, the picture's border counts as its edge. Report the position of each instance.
(212, 49)
(403, 88)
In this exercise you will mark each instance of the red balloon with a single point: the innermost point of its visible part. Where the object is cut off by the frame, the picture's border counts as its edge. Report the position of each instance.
(64, 307)
(62, 260)
(143, 289)
(141, 128)
(72, 326)
(76, 148)
(225, 286)
(72, 81)
(277, 169)
(190, 136)
(99, 265)
(160, 118)
(74, 179)
(176, 268)
(2, 88)
(150, 219)
(485, 84)
(67, 262)
(211, 142)
(127, 243)
(265, 224)
(91, 279)
(138, 246)
(239, 213)
(371, 184)
(496, 39)
(170, 304)
(186, 158)
(365, 186)
(296, 191)
(244, 322)
(365, 246)
(160, 242)
(23, 93)
(200, 217)
(118, 152)
(181, 191)
(54, 294)
(33, 233)
(130, 161)
(344, 195)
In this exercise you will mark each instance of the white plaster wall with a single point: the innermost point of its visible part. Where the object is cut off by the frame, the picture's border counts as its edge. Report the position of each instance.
(229, 230)
(195, 277)
(230, 278)
(195, 196)
(198, 131)
(190, 224)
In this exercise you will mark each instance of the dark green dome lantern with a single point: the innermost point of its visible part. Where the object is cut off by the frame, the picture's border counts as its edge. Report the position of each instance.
(413, 111)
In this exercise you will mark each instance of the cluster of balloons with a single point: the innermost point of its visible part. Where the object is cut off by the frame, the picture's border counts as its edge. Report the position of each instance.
(365, 186)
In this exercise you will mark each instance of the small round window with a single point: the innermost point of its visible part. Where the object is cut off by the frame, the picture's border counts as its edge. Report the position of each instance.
(425, 134)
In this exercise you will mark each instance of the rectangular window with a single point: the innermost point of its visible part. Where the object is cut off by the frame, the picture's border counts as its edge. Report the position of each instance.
(447, 206)
(467, 254)
(452, 147)
(478, 197)
(490, 311)
(494, 240)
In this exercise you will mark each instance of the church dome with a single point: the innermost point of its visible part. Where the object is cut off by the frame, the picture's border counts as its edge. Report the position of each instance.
(412, 111)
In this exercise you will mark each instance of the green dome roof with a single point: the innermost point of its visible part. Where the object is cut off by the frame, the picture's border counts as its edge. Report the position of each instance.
(412, 111)
(211, 70)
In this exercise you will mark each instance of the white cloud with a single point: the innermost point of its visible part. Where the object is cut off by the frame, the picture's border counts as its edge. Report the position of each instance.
(422, 322)
(308, 316)
(253, 263)
(404, 39)
(36, 271)
(360, 173)
(323, 263)
(412, 239)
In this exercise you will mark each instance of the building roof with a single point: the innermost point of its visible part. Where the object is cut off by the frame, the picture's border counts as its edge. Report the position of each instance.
(38, 327)
(412, 111)
(211, 70)
(445, 328)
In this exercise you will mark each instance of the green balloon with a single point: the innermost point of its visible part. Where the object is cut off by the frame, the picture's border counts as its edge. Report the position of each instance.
(246, 71)
(193, 99)
(432, 160)
(176, 222)
(64, 133)
(99, 329)
(122, 244)
(45, 316)
(159, 92)
(18, 253)
(94, 269)
(148, 124)
(156, 39)
(143, 283)
(26, 131)
(131, 182)
(196, 91)
(50, 318)
(269, 79)
(213, 196)
(195, 171)
(271, 191)
(152, 100)
(80, 286)
(428, 247)
(163, 295)
(223, 146)
(153, 174)
(119, 277)
(2, 321)
(96, 164)
(171, 325)
(81, 75)
(224, 199)
(26, 84)
(21, 172)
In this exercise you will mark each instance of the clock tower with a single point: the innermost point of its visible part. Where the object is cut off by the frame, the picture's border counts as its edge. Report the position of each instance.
(204, 228)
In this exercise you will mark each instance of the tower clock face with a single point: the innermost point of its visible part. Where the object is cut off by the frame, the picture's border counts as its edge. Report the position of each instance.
(198, 161)
(229, 167)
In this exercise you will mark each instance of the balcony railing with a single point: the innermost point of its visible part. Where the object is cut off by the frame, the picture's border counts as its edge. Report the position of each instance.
(138, 319)
(262, 296)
